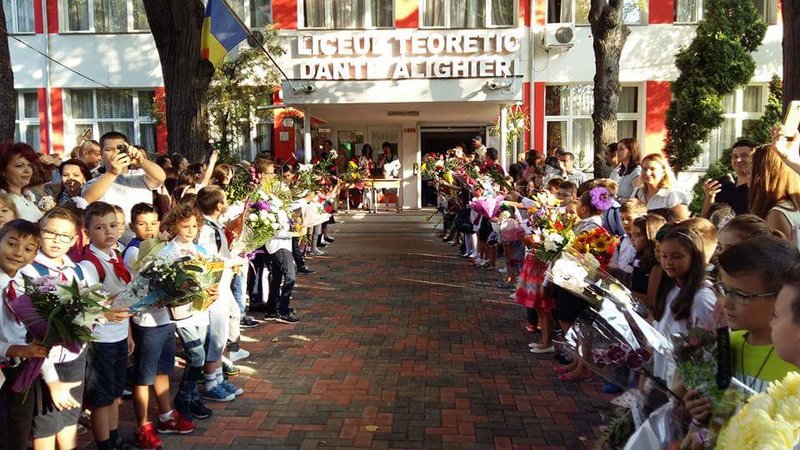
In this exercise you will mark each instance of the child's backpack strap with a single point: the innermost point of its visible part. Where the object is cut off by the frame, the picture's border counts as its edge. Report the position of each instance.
(41, 269)
(88, 255)
(135, 243)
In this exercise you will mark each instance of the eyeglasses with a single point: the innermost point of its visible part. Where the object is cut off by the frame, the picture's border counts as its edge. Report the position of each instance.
(62, 238)
(739, 297)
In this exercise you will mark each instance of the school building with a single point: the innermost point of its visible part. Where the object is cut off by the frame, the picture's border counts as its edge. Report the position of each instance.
(422, 75)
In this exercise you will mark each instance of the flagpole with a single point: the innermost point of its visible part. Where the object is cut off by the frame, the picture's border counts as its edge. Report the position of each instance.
(258, 41)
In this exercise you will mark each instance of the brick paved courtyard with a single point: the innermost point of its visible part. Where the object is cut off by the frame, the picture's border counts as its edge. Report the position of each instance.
(401, 345)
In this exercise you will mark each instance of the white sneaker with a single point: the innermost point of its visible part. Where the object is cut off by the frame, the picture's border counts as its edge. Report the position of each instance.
(316, 252)
(502, 270)
(537, 349)
(238, 355)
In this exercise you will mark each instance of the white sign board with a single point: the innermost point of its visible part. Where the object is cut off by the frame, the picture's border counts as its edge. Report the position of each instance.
(398, 55)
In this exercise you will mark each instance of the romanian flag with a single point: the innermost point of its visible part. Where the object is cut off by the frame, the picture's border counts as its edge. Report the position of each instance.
(222, 31)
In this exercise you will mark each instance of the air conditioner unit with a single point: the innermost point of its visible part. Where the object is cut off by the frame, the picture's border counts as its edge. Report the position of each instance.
(558, 36)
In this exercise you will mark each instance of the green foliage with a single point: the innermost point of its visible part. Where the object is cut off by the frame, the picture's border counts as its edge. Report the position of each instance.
(241, 83)
(715, 63)
(758, 131)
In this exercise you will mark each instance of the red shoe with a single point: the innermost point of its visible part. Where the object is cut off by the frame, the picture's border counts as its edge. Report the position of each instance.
(146, 437)
(562, 369)
(176, 424)
(567, 378)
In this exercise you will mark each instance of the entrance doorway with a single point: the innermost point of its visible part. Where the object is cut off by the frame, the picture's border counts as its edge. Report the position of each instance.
(439, 140)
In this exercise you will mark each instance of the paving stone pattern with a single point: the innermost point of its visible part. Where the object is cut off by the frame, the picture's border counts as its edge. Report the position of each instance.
(408, 349)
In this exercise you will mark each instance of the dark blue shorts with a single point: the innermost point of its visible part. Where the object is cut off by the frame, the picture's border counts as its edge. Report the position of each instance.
(154, 353)
(105, 373)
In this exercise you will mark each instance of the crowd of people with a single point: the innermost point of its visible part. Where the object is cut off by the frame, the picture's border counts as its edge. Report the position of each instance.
(88, 218)
(737, 258)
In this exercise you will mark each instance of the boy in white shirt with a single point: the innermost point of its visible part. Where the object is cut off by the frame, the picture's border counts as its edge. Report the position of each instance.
(144, 225)
(108, 353)
(19, 243)
(55, 423)
(621, 264)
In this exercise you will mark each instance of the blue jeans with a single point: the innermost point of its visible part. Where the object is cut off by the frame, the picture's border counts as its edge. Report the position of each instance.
(239, 288)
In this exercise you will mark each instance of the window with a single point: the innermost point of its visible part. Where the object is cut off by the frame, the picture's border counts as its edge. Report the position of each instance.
(27, 124)
(691, 11)
(688, 11)
(568, 119)
(634, 12)
(104, 16)
(129, 112)
(256, 13)
(559, 11)
(347, 14)
(742, 108)
(768, 10)
(19, 16)
(468, 13)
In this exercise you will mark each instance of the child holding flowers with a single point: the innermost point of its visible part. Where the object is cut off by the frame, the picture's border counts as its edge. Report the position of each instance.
(747, 291)
(153, 332)
(684, 297)
(770, 419)
(19, 242)
(55, 423)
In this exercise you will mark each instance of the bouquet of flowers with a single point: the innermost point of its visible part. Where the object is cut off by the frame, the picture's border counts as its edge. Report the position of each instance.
(263, 219)
(597, 242)
(56, 314)
(244, 183)
(355, 174)
(510, 228)
(487, 206)
(552, 227)
(180, 284)
(433, 165)
(768, 420)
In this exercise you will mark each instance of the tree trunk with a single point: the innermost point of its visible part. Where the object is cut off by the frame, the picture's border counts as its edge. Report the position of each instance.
(609, 34)
(791, 52)
(176, 28)
(8, 99)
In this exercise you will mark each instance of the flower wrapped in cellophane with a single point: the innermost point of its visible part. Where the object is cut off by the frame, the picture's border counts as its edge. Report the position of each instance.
(487, 206)
(169, 282)
(56, 314)
(770, 420)
(612, 333)
(597, 242)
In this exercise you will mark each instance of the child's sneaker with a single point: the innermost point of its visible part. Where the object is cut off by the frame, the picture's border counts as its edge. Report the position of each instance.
(146, 437)
(217, 394)
(182, 401)
(177, 424)
(232, 388)
(199, 409)
(229, 369)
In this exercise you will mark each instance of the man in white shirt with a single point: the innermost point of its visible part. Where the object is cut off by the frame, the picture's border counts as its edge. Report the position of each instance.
(118, 186)
(568, 170)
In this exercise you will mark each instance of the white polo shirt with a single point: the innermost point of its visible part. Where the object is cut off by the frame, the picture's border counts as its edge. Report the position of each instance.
(664, 198)
(127, 190)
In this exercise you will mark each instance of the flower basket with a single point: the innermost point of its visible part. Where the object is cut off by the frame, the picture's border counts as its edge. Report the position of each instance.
(182, 308)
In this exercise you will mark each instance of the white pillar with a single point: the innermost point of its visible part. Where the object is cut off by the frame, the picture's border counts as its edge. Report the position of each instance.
(307, 150)
(503, 138)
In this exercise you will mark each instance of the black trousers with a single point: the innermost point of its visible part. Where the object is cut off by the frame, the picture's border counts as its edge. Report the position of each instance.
(16, 414)
(283, 273)
(297, 254)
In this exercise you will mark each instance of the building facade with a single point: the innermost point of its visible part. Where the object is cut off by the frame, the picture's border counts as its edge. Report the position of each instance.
(421, 75)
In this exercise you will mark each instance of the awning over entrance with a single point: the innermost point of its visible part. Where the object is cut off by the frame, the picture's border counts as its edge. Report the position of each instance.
(385, 114)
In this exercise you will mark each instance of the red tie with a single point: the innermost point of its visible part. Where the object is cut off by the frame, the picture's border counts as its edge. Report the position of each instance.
(11, 293)
(120, 270)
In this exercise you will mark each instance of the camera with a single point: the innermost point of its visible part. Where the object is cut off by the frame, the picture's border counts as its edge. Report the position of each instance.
(307, 89)
(122, 148)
